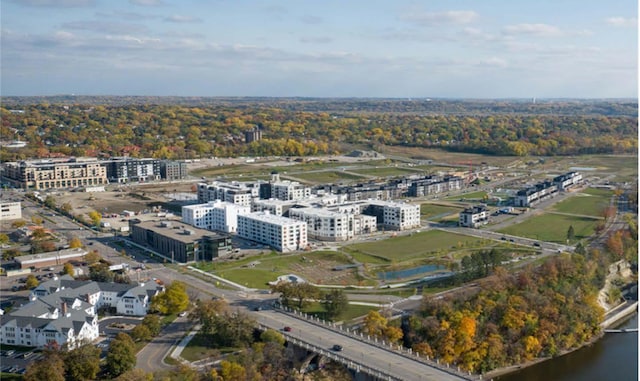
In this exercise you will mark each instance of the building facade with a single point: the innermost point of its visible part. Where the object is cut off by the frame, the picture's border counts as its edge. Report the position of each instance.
(281, 233)
(393, 215)
(474, 217)
(253, 135)
(55, 173)
(234, 192)
(173, 170)
(178, 241)
(10, 211)
(325, 225)
(214, 215)
(126, 169)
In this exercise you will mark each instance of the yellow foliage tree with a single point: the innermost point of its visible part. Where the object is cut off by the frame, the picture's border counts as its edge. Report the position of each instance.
(75, 243)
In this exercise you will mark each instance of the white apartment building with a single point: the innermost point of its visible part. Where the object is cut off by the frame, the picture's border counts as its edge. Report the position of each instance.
(235, 192)
(364, 224)
(567, 180)
(214, 215)
(325, 225)
(394, 215)
(474, 217)
(273, 206)
(290, 190)
(281, 233)
(10, 211)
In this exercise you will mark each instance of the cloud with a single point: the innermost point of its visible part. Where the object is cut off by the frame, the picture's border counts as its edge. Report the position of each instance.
(182, 19)
(622, 22)
(310, 19)
(55, 3)
(493, 62)
(543, 30)
(126, 15)
(147, 3)
(316, 40)
(439, 18)
(106, 27)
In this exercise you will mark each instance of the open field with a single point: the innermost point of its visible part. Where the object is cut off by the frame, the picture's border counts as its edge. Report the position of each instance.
(328, 177)
(590, 203)
(439, 155)
(552, 227)
(429, 211)
(387, 171)
(468, 196)
(415, 246)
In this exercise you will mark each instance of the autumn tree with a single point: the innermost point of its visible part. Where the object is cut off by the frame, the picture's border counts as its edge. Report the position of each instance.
(75, 243)
(153, 324)
(95, 217)
(140, 333)
(31, 282)
(173, 300)
(37, 220)
(50, 202)
(135, 375)
(271, 335)
(68, 269)
(82, 363)
(66, 208)
(121, 355)
(232, 371)
(50, 367)
(18, 224)
(92, 257)
(4, 239)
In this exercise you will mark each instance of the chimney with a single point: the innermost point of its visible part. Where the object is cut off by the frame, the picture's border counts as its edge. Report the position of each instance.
(64, 308)
(89, 299)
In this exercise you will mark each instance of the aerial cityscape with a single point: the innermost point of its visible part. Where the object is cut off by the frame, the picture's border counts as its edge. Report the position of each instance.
(298, 190)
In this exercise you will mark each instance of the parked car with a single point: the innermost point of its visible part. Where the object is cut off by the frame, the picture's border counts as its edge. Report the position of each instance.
(337, 347)
(287, 329)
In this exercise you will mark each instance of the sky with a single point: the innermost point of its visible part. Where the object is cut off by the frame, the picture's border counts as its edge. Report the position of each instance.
(321, 48)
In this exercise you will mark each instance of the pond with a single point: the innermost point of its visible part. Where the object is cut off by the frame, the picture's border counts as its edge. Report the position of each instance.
(408, 273)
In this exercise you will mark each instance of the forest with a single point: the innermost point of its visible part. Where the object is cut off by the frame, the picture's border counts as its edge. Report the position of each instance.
(176, 131)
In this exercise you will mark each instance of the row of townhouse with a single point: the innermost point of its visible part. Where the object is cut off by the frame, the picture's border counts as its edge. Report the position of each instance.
(88, 172)
(546, 189)
(64, 311)
(474, 217)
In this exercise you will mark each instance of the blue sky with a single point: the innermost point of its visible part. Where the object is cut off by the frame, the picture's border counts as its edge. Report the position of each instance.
(321, 48)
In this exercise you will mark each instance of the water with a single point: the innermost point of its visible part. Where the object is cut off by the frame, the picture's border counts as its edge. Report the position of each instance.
(400, 274)
(614, 357)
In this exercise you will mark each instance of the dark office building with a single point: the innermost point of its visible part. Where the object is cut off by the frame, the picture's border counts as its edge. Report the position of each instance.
(253, 135)
(173, 170)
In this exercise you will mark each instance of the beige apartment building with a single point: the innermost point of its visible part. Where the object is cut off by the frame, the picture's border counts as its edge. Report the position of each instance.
(55, 173)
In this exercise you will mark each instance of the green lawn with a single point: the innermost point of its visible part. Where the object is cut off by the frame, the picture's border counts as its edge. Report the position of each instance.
(428, 210)
(553, 227)
(415, 246)
(468, 196)
(385, 171)
(587, 203)
(327, 176)
(351, 312)
(199, 348)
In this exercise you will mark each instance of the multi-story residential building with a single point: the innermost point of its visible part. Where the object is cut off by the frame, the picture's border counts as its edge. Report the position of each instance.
(253, 135)
(325, 225)
(234, 192)
(288, 190)
(55, 173)
(281, 233)
(273, 206)
(567, 180)
(393, 215)
(126, 169)
(434, 185)
(364, 224)
(536, 193)
(11, 210)
(178, 241)
(474, 217)
(214, 215)
(173, 170)
(64, 311)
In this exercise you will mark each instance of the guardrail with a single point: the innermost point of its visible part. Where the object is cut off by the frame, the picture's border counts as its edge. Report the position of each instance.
(397, 349)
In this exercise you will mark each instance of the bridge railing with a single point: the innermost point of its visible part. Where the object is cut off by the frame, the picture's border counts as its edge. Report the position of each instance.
(397, 349)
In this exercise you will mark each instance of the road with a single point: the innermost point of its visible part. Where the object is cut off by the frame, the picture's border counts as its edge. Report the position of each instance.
(151, 357)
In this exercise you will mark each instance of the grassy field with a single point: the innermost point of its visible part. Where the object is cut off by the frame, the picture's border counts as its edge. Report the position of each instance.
(473, 195)
(415, 246)
(328, 177)
(351, 312)
(198, 348)
(590, 203)
(553, 227)
(428, 210)
(386, 171)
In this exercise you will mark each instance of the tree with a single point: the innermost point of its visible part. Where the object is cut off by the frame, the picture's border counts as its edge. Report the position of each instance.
(75, 243)
(571, 234)
(153, 323)
(31, 282)
(37, 220)
(68, 269)
(173, 300)
(38, 234)
(232, 371)
(9, 254)
(50, 368)
(374, 324)
(66, 208)
(121, 356)
(92, 257)
(135, 375)
(100, 272)
(18, 224)
(272, 336)
(82, 363)
(140, 333)
(50, 202)
(95, 217)
(335, 302)
(4, 239)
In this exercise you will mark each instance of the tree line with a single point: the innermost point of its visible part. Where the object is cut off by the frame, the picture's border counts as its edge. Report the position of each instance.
(182, 132)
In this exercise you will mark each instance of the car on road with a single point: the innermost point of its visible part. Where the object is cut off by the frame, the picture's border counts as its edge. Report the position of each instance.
(287, 329)
(182, 314)
(537, 244)
(337, 347)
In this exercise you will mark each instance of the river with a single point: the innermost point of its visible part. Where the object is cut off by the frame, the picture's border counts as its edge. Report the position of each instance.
(614, 357)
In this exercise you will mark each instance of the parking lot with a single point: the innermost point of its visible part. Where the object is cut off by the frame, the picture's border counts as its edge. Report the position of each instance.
(14, 361)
